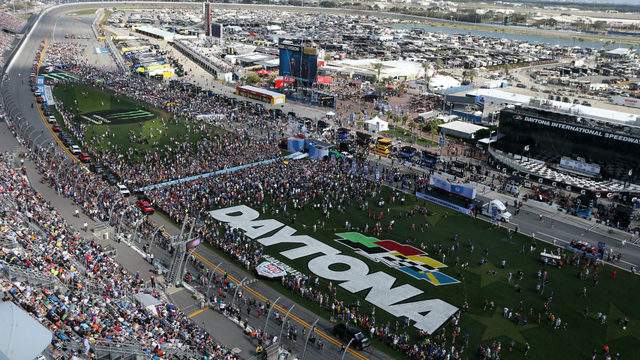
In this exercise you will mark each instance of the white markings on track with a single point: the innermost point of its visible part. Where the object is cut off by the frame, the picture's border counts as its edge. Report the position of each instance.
(554, 237)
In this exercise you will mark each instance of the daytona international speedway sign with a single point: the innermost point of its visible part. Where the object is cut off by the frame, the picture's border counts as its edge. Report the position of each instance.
(428, 315)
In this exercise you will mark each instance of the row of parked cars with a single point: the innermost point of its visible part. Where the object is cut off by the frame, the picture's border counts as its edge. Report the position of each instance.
(143, 203)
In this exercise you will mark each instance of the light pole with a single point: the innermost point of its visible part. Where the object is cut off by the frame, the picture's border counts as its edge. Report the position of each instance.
(213, 272)
(235, 293)
(284, 320)
(135, 231)
(347, 348)
(269, 314)
(311, 329)
(99, 192)
(153, 237)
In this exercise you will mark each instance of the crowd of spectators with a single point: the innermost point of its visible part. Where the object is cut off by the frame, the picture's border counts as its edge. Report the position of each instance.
(92, 296)
(11, 23)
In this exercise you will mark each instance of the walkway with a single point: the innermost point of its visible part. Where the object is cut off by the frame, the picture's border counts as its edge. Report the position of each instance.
(219, 172)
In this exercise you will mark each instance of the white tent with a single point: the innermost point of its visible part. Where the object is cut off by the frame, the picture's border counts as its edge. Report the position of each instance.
(148, 302)
(21, 336)
(376, 125)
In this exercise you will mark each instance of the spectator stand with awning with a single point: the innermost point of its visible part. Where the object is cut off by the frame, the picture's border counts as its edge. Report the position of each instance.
(21, 336)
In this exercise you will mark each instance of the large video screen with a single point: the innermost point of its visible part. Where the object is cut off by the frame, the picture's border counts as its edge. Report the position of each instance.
(299, 62)
(216, 30)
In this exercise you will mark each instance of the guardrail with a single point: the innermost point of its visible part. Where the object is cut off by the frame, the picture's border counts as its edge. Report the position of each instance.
(94, 24)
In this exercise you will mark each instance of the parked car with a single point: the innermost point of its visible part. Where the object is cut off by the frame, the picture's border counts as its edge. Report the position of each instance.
(145, 207)
(110, 178)
(96, 168)
(346, 333)
(85, 158)
(123, 190)
(75, 149)
(56, 128)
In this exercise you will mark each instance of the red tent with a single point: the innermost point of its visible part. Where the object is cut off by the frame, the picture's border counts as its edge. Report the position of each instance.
(325, 80)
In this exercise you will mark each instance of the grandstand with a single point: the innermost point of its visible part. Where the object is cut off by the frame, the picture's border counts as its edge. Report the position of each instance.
(570, 148)
(59, 277)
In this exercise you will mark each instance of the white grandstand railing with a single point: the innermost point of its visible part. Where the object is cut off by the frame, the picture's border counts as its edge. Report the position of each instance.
(556, 176)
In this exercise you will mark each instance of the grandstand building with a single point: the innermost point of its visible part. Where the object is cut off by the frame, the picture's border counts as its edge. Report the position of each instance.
(570, 147)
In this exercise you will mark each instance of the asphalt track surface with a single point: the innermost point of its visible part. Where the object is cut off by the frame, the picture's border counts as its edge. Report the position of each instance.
(52, 27)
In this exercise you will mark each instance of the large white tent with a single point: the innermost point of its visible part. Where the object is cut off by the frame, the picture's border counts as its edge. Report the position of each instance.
(376, 124)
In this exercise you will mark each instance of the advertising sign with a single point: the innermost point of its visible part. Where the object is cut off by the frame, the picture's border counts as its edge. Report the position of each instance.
(579, 129)
(441, 183)
(216, 30)
(354, 275)
(579, 166)
(270, 270)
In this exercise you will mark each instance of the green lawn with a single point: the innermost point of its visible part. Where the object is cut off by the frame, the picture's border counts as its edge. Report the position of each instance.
(407, 138)
(131, 125)
(478, 282)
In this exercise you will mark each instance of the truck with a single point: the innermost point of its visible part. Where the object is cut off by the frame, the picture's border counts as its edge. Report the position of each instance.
(496, 209)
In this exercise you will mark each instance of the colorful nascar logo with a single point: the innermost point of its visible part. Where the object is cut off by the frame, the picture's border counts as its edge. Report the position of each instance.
(406, 258)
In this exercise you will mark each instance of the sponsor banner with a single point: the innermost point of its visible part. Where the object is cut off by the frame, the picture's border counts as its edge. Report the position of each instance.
(579, 129)
(193, 244)
(405, 258)
(442, 202)
(440, 182)
(424, 313)
(48, 96)
(579, 166)
(627, 101)
(270, 270)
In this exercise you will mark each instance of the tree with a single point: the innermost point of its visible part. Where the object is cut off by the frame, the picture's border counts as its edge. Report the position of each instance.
(252, 78)
(378, 68)
(469, 75)
(439, 64)
(427, 76)
(600, 25)
(327, 4)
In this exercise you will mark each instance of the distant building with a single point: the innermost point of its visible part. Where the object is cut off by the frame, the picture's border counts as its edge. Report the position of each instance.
(207, 18)
(618, 53)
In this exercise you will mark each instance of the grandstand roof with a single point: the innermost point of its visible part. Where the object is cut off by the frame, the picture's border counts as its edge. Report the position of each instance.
(21, 336)
(163, 34)
(574, 109)
(461, 129)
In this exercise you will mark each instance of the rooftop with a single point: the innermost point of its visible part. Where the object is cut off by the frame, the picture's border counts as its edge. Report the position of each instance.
(595, 113)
